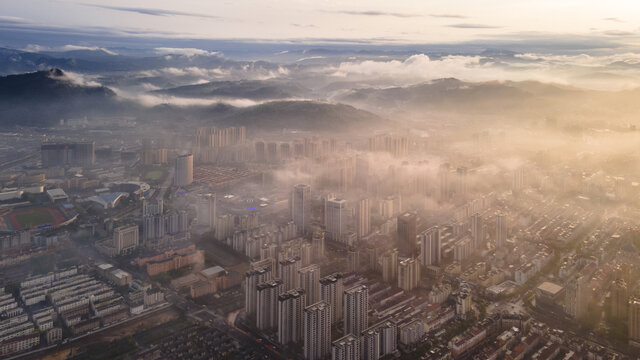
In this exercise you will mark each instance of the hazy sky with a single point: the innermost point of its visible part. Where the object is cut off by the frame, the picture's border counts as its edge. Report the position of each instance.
(413, 21)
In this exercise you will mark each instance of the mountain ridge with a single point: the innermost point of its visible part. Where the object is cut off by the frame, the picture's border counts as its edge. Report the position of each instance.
(247, 89)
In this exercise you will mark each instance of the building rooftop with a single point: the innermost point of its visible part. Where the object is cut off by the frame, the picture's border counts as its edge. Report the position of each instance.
(212, 271)
(57, 194)
(550, 288)
(120, 273)
(105, 266)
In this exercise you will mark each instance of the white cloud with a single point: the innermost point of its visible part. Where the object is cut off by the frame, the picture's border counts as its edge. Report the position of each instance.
(582, 70)
(36, 48)
(420, 65)
(194, 75)
(583, 59)
(192, 71)
(90, 48)
(40, 48)
(153, 99)
(310, 58)
(184, 51)
(13, 19)
(81, 79)
(419, 68)
(147, 99)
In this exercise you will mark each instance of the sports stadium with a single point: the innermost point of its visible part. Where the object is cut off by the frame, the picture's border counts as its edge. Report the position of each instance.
(35, 217)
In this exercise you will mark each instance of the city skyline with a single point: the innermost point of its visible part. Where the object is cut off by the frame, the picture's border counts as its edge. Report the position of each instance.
(434, 180)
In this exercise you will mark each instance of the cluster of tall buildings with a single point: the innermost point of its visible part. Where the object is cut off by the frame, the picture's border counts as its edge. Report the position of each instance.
(125, 239)
(379, 340)
(389, 265)
(355, 309)
(332, 292)
(302, 307)
(341, 173)
(336, 220)
(320, 316)
(271, 241)
(207, 210)
(453, 183)
(155, 227)
(68, 154)
(396, 145)
(267, 303)
(153, 155)
(363, 218)
(311, 147)
(501, 230)
(390, 206)
(272, 152)
(362, 341)
(477, 230)
(183, 172)
(576, 297)
(519, 179)
(619, 300)
(407, 233)
(408, 274)
(335, 213)
(317, 331)
(214, 144)
(300, 207)
(309, 280)
(634, 320)
(430, 246)
(291, 305)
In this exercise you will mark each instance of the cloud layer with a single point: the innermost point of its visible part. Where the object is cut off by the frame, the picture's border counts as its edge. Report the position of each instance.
(376, 13)
(473, 26)
(152, 11)
(69, 47)
(184, 51)
(605, 72)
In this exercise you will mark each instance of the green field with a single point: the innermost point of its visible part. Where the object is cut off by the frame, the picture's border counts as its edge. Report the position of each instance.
(34, 218)
(154, 175)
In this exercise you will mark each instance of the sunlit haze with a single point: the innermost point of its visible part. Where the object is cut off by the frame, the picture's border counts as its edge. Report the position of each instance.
(294, 179)
(378, 21)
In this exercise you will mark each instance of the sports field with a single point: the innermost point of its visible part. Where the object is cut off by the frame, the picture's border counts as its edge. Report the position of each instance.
(154, 175)
(34, 218)
(25, 218)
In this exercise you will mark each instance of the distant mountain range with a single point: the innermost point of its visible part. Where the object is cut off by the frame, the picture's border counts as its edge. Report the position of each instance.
(304, 115)
(247, 89)
(273, 116)
(98, 61)
(440, 95)
(451, 95)
(42, 98)
(510, 102)
(46, 86)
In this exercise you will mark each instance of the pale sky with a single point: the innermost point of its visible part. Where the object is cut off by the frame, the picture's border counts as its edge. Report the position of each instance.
(406, 21)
